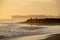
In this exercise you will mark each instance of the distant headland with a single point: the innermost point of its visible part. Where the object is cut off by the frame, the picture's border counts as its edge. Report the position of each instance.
(46, 21)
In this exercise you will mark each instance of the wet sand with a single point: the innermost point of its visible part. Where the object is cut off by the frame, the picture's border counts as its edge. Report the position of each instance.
(36, 37)
(32, 37)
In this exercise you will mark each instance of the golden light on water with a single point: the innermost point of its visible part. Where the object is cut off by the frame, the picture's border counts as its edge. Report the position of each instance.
(27, 7)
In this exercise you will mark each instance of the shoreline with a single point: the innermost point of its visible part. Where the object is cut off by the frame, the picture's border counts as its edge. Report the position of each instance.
(38, 24)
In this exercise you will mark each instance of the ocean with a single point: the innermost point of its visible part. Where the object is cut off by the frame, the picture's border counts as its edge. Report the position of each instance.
(15, 31)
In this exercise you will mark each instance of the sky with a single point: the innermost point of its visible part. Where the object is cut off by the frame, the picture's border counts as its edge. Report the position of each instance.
(28, 7)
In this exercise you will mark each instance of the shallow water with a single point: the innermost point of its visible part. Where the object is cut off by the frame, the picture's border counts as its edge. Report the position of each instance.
(16, 29)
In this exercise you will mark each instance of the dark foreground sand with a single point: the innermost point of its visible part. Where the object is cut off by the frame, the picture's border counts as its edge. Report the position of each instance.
(53, 37)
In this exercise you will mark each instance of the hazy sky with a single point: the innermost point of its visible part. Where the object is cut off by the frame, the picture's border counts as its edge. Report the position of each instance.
(28, 7)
